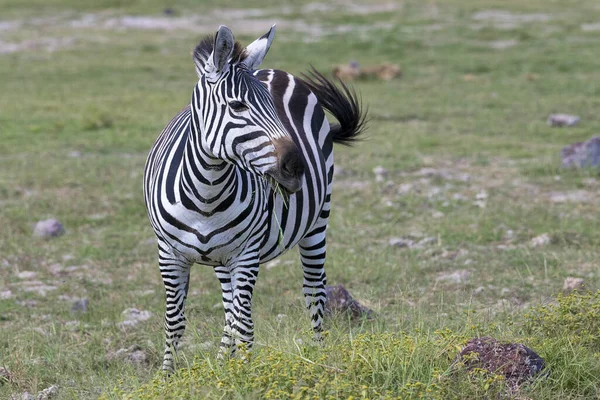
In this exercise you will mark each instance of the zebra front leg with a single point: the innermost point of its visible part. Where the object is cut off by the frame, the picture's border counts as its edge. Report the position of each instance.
(227, 341)
(312, 255)
(175, 273)
(237, 300)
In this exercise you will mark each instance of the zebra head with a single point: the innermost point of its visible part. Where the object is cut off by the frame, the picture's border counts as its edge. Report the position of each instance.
(233, 113)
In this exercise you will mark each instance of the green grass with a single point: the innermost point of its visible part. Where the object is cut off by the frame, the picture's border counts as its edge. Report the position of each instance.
(76, 125)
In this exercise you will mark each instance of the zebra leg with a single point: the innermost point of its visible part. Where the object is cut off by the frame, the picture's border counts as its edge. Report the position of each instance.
(312, 255)
(224, 276)
(244, 277)
(175, 272)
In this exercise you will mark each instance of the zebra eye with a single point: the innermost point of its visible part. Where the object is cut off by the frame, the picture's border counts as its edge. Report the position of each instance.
(237, 106)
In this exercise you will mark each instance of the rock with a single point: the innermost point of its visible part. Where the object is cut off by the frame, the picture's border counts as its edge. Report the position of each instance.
(516, 362)
(47, 393)
(401, 242)
(541, 240)
(133, 354)
(24, 396)
(437, 214)
(482, 195)
(478, 290)
(582, 154)
(562, 120)
(459, 276)
(6, 294)
(5, 375)
(80, 305)
(572, 284)
(26, 274)
(412, 242)
(133, 316)
(48, 228)
(576, 196)
(340, 301)
(380, 173)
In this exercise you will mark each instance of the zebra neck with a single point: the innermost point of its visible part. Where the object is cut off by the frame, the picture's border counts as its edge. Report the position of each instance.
(206, 183)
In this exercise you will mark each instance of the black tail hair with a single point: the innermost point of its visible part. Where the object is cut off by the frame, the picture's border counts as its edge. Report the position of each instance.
(343, 103)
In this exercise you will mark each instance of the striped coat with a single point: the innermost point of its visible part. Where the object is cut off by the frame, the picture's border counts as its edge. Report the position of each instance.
(241, 175)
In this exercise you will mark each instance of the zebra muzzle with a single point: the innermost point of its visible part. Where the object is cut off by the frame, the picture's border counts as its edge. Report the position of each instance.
(290, 170)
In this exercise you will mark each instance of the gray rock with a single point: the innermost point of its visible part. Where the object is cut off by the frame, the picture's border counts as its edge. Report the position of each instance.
(458, 276)
(542, 240)
(48, 228)
(570, 284)
(401, 242)
(133, 354)
(562, 120)
(80, 305)
(340, 301)
(48, 393)
(5, 375)
(133, 316)
(582, 154)
(380, 173)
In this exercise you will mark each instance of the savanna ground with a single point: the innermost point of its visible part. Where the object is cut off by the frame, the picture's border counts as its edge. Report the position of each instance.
(87, 86)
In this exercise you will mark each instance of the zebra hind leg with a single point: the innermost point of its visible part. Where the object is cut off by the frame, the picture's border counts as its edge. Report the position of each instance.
(175, 273)
(312, 255)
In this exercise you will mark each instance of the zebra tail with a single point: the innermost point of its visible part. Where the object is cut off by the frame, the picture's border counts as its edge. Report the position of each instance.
(343, 103)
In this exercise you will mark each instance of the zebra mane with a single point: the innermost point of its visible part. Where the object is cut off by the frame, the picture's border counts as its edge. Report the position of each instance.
(205, 48)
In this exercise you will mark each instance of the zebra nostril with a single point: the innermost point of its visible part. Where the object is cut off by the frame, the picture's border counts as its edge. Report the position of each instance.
(292, 165)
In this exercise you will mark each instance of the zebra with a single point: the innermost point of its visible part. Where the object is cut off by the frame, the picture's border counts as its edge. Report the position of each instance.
(241, 175)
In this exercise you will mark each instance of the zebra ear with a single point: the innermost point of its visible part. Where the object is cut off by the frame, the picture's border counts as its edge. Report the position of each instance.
(257, 50)
(222, 50)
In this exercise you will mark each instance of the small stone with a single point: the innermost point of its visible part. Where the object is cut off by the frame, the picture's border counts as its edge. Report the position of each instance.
(572, 284)
(478, 290)
(26, 274)
(133, 316)
(272, 264)
(280, 317)
(401, 242)
(339, 300)
(206, 345)
(482, 195)
(405, 188)
(562, 120)
(48, 228)
(438, 214)
(80, 305)
(582, 154)
(459, 197)
(134, 354)
(5, 375)
(479, 203)
(6, 294)
(541, 240)
(429, 240)
(380, 173)
(459, 276)
(48, 393)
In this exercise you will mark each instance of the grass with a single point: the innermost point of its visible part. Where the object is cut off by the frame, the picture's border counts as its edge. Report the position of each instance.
(465, 120)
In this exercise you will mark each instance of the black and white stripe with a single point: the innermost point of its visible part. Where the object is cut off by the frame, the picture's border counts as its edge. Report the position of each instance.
(210, 176)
